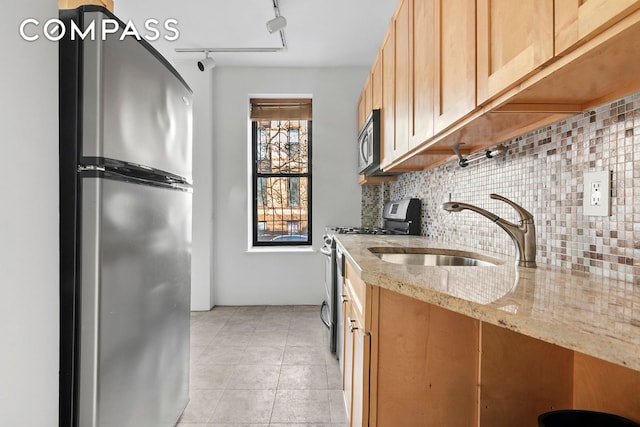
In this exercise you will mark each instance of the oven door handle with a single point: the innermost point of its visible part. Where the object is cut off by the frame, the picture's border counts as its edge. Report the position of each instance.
(322, 311)
(325, 251)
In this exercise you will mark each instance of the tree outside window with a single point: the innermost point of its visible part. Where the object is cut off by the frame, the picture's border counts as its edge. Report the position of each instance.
(294, 192)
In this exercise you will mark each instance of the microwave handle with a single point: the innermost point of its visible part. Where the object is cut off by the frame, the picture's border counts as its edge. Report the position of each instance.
(364, 147)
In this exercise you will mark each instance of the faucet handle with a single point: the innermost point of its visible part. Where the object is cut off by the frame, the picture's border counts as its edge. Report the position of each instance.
(525, 215)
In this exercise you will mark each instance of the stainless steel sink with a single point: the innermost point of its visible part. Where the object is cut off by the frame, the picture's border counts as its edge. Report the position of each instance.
(433, 257)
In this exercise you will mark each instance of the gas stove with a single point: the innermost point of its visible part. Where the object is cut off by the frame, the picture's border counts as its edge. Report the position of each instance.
(357, 230)
(399, 217)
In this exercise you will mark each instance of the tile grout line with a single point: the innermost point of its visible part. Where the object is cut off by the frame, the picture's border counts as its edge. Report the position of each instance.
(256, 315)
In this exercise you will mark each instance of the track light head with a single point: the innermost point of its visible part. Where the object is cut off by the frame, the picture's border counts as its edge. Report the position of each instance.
(276, 24)
(206, 63)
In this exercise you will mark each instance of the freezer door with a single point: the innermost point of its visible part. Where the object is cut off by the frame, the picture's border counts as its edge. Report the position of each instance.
(134, 107)
(135, 304)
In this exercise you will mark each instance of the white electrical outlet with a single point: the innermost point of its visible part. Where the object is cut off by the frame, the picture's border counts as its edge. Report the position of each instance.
(597, 192)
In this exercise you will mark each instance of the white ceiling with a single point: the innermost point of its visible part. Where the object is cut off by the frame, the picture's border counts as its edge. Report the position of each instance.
(319, 33)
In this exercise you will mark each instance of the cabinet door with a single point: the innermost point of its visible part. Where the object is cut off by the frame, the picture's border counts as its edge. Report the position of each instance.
(364, 103)
(426, 364)
(403, 78)
(455, 82)
(580, 20)
(422, 54)
(368, 99)
(514, 39)
(361, 358)
(376, 83)
(361, 109)
(347, 357)
(388, 98)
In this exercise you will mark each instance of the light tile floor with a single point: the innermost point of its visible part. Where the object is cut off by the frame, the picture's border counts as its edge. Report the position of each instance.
(262, 366)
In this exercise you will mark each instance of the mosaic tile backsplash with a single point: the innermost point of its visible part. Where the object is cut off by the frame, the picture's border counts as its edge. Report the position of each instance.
(543, 171)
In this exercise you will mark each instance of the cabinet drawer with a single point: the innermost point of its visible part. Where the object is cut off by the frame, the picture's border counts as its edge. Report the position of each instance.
(356, 291)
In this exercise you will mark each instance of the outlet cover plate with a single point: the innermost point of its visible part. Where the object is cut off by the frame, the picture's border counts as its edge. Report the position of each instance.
(597, 193)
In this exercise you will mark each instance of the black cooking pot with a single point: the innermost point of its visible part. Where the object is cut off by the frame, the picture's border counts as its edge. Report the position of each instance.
(582, 418)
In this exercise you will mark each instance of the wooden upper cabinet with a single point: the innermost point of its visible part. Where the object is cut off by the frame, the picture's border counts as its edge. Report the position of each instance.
(368, 88)
(376, 83)
(403, 77)
(364, 103)
(421, 123)
(455, 51)
(579, 20)
(375, 98)
(361, 108)
(514, 39)
(73, 4)
(387, 116)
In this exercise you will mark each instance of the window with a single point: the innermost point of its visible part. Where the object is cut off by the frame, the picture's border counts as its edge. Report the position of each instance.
(281, 175)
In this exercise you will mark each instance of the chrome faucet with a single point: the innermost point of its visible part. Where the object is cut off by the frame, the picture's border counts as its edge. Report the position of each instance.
(523, 235)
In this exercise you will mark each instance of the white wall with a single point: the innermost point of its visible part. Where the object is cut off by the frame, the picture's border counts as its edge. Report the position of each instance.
(29, 308)
(202, 262)
(281, 278)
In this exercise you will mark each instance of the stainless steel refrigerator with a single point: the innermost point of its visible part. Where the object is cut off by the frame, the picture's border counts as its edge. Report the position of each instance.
(125, 230)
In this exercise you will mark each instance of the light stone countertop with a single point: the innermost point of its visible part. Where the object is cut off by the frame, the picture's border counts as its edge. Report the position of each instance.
(596, 316)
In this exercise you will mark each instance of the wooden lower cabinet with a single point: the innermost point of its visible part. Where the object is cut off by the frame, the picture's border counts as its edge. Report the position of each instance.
(347, 359)
(410, 363)
(361, 369)
(424, 364)
(414, 366)
(521, 377)
(603, 386)
(356, 354)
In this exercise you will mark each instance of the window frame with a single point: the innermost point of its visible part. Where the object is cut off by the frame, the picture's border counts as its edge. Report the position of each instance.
(256, 175)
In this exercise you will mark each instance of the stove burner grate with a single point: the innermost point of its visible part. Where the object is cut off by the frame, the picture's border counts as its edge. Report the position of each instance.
(361, 230)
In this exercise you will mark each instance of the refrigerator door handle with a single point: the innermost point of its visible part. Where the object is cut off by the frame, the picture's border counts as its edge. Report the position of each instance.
(98, 171)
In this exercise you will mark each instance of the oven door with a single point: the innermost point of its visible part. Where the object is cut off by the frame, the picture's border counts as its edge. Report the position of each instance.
(339, 306)
(327, 310)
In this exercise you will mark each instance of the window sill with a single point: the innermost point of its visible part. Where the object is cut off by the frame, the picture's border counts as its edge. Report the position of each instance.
(280, 249)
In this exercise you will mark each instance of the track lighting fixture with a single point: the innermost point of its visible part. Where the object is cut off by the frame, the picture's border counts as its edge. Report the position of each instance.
(276, 24)
(207, 63)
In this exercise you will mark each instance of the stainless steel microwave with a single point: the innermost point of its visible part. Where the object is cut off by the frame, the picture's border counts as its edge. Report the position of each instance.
(369, 145)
